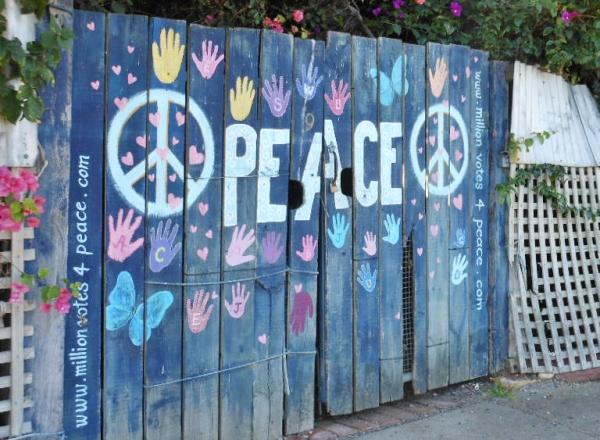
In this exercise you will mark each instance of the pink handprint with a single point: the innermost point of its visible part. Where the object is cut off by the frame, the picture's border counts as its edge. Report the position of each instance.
(277, 100)
(239, 298)
(271, 247)
(239, 244)
(309, 244)
(210, 61)
(197, 313)
(370, 246)
(338, 99)
(303, 306)
(120, 246)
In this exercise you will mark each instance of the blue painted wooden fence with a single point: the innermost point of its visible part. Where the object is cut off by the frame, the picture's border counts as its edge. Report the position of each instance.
(267, 205)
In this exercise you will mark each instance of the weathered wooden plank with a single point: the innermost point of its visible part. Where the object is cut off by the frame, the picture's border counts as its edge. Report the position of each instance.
(479, 214)
(391, 79)
(165, 177)
(303, 221)
(365, 167)
(498, 266)
(415, 226)
(459, 79)
(238, 236)
(439, 186)
(202, 246)
(336, 344)
(126, 115)
(275, 115)
(83, 326)
(17, 338)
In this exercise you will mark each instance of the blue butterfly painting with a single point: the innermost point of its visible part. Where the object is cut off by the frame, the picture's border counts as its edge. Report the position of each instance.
(390, 86)
(122, 309)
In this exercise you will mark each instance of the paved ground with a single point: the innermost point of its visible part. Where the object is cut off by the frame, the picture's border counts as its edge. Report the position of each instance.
(552, 409)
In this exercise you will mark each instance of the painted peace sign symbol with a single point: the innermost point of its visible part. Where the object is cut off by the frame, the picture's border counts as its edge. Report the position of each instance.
(446, 183)
(126, 180)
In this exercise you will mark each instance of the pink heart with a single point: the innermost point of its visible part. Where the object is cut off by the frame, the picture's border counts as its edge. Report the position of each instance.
(203, 208)
(475, 59)
(457, 201)
(116, 69)
(95, 84)
(193, 228)
(397, 316)
(130, 48)
(151, 177)
(432, 139)
(468, 71)
(209, 234)
(202, 253)
(163, 153)
(91, 26)
(437, 206)
(127, 159)
(263, 339)
(180, 117)
(420, 216)
(454, 133)
(458, 155)
(454, 78)
(431, 274)
(131, 78)
(413, 201)
(174, 201)
(154, 118)
(434, 229)
(434, 177)
(141, 141)
(463, 98)
(420, 251)
(173, 177)
(121, 102)
(446, 103)
(195, 157)
(174, 140)
(420, 150)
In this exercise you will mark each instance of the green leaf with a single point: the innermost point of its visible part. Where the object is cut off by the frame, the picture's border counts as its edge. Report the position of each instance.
(10, 107)
(43, 273)
(34, 109)
(28, 280)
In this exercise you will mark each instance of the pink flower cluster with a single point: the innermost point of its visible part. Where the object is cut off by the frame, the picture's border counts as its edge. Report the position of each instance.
(276, 23)
(456, 8)
(569, 16)
(62, 303)
(17, 291)
(16, 191)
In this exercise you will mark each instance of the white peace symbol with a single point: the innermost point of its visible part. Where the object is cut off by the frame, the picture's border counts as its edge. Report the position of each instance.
(125, 181)
(441, 158)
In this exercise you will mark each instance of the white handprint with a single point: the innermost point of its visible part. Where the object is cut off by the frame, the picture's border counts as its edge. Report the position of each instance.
(459, 267)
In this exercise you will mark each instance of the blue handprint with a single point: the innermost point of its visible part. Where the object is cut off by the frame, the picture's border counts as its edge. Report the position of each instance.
(388, 88)
(367, 279)
(162, 250)
(392, 227)
(340, 230)
(310, 81)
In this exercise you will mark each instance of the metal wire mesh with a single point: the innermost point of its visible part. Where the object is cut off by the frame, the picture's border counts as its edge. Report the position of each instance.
(408, 300)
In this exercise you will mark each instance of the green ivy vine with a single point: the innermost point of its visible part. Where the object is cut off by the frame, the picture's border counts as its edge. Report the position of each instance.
(33, 65)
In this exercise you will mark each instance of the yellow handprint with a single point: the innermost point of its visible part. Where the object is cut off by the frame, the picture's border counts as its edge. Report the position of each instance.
(242, 98)
(167, 59)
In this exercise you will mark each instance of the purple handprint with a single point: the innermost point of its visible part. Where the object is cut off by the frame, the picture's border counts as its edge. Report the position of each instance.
(271, 247)
(162, 250)
(239, 298)
(338, 99)
(277, 100)
(303, 306)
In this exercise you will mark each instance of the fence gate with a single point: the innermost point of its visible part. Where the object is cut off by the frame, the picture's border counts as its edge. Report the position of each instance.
(245, 201)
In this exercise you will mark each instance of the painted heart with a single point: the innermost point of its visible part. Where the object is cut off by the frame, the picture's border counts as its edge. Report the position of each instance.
(141, 141)
(163, 153)
(154, 118)
(91, 26)
(435, 120)
(434, 177)
(457, 201)
(174, 201)
(209, 234)
(454, 78)
(127, 159)
(174, 140)
(180, 118)
(420, 150)
(446, 103)
(438, 260)
(420, 216)
(203, 208)
(121, 102)
(214, 295)
(116, 69)
(195, 157)
(432, 139)
(173, 177)
(202, 253)
(398, 316)
(413, 202)
(193, 229)
(437, 206)
(95, 84)
(151, 177)
(420, 251)
(468, 72)
(458, 155)
(476, 59)
(454, 133)
(263, 339)
(434, 229)
(131, 78)
(432, 274)
(463, 98)
(130, 48)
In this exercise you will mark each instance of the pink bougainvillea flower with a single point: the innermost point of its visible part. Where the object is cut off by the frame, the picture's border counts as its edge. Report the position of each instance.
(398, 3)
(39, 203)
(274, 24)
(456, 8)
(30, 179)
(17, 290)
(17, 187)
(46, 307)
(420, 2)
(63, 307)
(210, 18)
(34, 222)
(569, 16)
(7, 222)
(5, 179)
(377, 11)
(298, 15)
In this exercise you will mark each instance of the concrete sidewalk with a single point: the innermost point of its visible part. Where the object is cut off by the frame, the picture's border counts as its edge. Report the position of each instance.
(550, 409)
